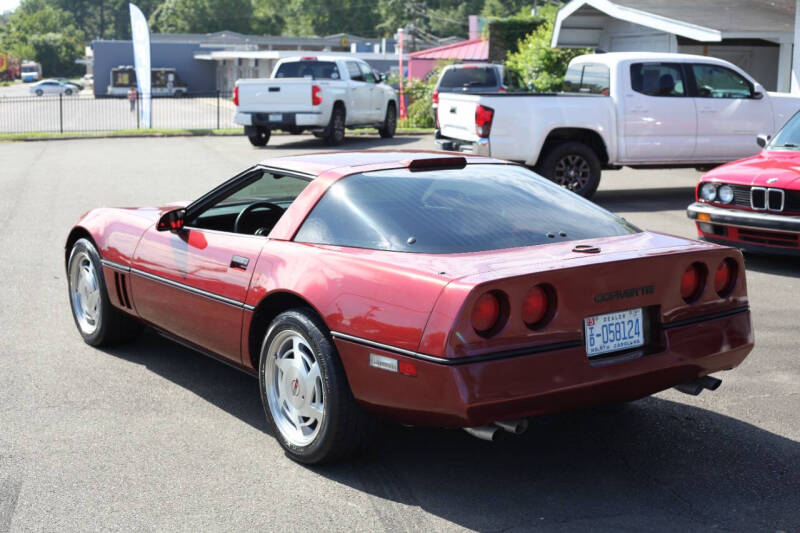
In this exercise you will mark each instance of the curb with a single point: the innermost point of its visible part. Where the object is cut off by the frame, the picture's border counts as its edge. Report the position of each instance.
(68, 137)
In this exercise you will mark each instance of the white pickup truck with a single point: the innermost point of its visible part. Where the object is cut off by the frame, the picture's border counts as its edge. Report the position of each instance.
(323, 94)
(620, 109)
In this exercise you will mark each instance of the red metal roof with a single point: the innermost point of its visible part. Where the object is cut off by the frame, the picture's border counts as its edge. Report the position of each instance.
(472, 50)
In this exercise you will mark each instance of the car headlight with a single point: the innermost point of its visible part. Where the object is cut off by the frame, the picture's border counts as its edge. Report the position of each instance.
(708, 192)
(725, 194)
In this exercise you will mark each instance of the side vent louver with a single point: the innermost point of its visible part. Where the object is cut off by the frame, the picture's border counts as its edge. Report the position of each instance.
(120, 283)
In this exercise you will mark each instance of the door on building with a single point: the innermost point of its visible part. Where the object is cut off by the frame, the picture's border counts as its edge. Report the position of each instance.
(659, 122)
(730, 114)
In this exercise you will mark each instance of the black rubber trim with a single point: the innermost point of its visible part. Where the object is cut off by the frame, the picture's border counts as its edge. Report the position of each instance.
(461, 360)
(706, 317)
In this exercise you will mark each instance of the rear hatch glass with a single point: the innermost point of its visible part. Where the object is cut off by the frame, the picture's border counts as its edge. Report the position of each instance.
(466, 78)
(317, 70)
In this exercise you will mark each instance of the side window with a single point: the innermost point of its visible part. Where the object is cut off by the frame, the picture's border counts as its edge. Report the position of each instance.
(591, 78)
(273, 193)
(658, 79)
(354, 71)
(369, 77)
(714, 81)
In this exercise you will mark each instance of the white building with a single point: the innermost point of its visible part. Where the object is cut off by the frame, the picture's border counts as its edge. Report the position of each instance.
(756, 35)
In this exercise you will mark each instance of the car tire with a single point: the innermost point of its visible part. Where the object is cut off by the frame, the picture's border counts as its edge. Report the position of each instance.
(314, 384)
(389, 126)
(574, 166)
(68, 92)
(260, 137)
(334, 134)
(97, 320)
(39, 92)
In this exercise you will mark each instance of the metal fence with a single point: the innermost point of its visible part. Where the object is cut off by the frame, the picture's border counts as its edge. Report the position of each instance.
(85, 113)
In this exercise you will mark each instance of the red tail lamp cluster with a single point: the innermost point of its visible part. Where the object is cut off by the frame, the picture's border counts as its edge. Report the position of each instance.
(491, 311)
(694, 278)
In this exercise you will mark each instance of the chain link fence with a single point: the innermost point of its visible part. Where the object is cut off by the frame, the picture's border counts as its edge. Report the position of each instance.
(84, 113)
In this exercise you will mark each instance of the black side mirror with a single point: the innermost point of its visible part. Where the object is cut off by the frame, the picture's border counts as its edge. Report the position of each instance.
(762, 140)
(758, 95)
(171, 220)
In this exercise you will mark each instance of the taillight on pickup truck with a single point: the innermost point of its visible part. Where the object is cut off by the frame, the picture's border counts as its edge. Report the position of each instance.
(316, 99)
(436, 96)
(483, 120)
(236, 96)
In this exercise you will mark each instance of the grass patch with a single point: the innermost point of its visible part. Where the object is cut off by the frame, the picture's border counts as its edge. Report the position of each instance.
(43, 135)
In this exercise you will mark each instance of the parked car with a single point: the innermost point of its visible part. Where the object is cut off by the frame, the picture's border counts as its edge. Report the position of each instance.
(754, 203)
(52, 86)
(324, 95)
(634, 109)
(432, 289)
(76, 86)
(471, 78)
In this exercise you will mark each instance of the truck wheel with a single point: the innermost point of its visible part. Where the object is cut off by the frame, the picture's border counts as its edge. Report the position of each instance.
(334, 135)
(304, 390)
(259, 137)
(574, 166)
(389, 123)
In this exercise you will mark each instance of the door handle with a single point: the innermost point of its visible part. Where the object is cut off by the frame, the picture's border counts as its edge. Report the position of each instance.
(708, 110)
(239, 262)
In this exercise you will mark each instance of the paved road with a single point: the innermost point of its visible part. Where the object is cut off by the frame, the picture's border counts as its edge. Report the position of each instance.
(152, 436)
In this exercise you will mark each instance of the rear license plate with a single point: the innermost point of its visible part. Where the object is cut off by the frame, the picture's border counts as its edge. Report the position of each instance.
(275, 117)
(613, 332)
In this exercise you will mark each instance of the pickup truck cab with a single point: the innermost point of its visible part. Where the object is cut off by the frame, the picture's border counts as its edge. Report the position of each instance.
(620, 109)
(323, 94)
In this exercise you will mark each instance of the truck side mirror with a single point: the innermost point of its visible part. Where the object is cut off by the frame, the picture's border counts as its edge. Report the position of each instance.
(758, 92)
(762, 140)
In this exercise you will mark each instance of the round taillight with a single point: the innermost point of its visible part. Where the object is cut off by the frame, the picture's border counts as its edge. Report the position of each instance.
(485, 313)
(692, 282)
(725, 277)
(535, 306)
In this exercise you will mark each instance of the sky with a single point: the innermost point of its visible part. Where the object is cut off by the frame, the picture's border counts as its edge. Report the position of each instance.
(8, 5)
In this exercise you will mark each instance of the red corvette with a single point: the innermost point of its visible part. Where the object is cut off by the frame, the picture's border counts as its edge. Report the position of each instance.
(754, 203)
(436, 290)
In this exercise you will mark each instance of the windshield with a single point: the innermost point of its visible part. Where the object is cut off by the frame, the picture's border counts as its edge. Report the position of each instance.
(480, 207)
(788, 138)
(469, 77)
(317, 70)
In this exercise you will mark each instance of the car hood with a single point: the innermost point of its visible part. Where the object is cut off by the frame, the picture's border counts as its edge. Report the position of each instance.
(780, 169)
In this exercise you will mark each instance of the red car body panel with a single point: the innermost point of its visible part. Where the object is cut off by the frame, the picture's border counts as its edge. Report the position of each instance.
(738, 223)
(415, 307)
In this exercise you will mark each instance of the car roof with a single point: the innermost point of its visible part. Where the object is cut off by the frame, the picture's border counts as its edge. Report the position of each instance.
(610, 58)
(350, 162)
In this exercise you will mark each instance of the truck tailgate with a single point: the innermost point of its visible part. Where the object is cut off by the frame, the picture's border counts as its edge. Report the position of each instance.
(457, 116)
(275, 95)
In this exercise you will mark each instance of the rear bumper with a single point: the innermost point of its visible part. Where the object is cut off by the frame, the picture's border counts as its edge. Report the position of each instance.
(472, 394)
(751, 230)
(281, 121)
(479, 147)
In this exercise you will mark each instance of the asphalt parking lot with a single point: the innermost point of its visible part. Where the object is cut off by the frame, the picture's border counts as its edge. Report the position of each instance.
(152, 436)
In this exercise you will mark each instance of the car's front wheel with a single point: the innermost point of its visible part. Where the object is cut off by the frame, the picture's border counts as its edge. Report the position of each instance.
(389, 123)
(98, 321)
(39, 92)
(68, 92)
(305, 393)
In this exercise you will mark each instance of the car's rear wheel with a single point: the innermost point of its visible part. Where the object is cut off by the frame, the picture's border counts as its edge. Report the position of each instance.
(334, 134)
(574, 166)
(68, 91)
(389, 123)
(39, 92)
(259, 136)
(305, 393)
(98, 321)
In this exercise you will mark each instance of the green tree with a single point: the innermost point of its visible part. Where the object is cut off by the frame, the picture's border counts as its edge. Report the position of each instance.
(202, 16)
(40, 31)
(535, 62)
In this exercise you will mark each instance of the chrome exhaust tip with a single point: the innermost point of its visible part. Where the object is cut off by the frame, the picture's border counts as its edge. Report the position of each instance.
(489, 432)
